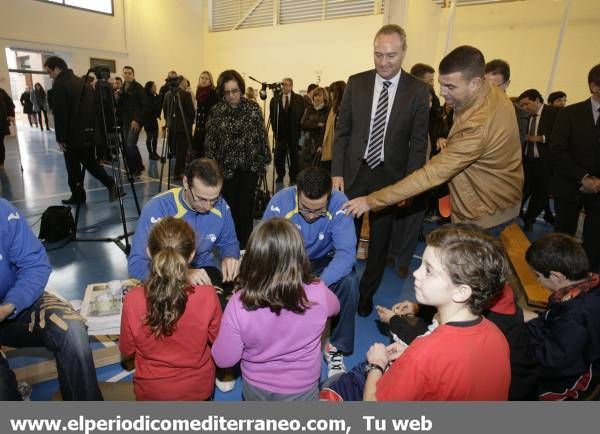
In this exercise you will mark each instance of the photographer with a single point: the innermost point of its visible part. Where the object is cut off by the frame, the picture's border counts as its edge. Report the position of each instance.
(178, 110)
(131, 108)
(74, 117)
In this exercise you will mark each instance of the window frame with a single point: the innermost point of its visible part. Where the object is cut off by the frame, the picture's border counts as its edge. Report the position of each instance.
(63, 4)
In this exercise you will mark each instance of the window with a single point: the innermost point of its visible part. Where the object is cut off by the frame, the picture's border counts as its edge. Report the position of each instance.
(101, 6)
(239, 14)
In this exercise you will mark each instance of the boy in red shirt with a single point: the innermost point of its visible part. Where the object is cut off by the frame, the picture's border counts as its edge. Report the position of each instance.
(467, 356)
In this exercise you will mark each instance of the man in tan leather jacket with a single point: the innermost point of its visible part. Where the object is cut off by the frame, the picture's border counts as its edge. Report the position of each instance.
(482, 161)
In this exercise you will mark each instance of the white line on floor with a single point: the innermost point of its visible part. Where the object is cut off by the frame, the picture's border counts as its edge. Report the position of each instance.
(119, 376)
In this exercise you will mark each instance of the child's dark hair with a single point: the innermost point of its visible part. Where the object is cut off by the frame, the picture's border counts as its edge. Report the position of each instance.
(558, 252)
(274, 268)
(171, 243)
(471, 257)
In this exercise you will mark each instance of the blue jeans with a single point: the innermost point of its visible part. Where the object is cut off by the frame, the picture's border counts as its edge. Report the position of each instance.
(51, 323)
(346, 290)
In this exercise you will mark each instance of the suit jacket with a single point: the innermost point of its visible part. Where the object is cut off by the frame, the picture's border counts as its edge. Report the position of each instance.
(405, 143)
(545, 127)
(286, 125)
(73, 108)
(574, 150)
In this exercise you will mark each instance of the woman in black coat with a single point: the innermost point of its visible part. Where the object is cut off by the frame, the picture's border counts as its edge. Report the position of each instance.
(206, 98)
(152, 108)
(28, 107)
(7, 114)
(313, 125)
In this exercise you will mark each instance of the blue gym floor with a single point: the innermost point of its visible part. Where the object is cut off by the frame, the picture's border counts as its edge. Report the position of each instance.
(43, 182)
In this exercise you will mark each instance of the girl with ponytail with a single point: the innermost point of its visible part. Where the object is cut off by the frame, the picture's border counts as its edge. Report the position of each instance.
(169, 325)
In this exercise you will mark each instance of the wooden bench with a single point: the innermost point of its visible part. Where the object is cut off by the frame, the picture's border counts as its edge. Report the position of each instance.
(516, 244)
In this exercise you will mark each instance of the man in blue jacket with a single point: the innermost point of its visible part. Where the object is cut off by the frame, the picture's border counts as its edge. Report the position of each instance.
(200, 204)
(30, 318)
(330, 241)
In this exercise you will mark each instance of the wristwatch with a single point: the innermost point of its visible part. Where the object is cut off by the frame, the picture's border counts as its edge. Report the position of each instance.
(370, 366)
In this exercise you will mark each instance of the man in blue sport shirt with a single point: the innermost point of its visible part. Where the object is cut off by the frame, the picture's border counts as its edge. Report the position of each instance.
(330, 241)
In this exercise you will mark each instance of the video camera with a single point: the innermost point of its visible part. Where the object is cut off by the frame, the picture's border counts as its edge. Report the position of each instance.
(173, 82)
(101, 72)
(275, 87)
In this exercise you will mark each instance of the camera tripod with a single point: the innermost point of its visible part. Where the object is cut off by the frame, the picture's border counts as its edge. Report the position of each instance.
(172, 104)
(111, 133)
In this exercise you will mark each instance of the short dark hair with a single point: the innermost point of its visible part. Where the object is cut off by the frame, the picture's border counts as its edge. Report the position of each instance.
(206, 170)
(498, 66)
(532, 94)
(464, 59)
(275, 268)
(228, 75)
(388, 29)
(117, 78)
(311, 87)
(420, 69)
(474, 258)
(130, 67)
(556, 95)
(594, 75)
(55, 62)
(558, 252)
(314, 182)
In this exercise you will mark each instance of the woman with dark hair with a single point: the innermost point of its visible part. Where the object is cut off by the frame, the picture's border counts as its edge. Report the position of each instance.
(336, 92)
(274, 321)
(313, 127)
(28, 107)
(40, 104)
(167, 324)
(237, 140)
(151, 113)
(206, 98)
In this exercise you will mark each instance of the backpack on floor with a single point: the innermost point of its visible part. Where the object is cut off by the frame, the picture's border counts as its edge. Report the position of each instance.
(57, 224)
(262, 197)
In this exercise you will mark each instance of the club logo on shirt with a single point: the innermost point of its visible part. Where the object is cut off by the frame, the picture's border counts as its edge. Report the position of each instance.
(154, 219)
(299, 227)
(341, 211)
(321, 236)
(275, 209)
(1, 257)
(14, 216)
(211, 237)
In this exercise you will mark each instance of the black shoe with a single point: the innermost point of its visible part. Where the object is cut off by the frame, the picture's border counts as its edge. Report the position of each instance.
(74, 200)
(153, 156)
(365, 306)
(114, 193)
(402, 271)
(550, 219)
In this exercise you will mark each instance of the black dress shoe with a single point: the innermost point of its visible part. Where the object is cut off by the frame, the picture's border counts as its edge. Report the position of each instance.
(365, 306)
(74, 200)
(550, 219)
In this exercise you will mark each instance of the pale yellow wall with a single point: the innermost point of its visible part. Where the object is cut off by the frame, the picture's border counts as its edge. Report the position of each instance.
(153, 36)
(337, 48)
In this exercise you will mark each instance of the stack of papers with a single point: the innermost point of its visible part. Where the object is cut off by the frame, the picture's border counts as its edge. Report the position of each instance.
(102, 305)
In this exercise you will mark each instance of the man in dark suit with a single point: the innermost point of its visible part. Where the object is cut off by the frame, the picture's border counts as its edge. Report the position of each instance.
(130, 108)
(74, 112)
(380, 137)
(536, 164)
(286, 113)
(575, 154)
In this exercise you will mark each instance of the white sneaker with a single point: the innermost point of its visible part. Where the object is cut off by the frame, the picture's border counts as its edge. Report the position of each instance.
(334, 359)
(225, 385)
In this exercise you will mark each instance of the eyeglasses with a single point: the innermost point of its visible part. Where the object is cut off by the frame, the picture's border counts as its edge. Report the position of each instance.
(315, 213)
(231, 92)
(202, 200)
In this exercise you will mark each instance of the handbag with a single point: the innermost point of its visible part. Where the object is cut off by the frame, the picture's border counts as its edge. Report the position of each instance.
(57, 224)
(262, 197)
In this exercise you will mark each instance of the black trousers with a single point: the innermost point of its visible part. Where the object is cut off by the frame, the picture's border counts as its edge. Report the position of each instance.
(286, 147)
(567, 216)
(367, 181)
(179, 146)
(406, 228)
(151, 141)
(2, 149)
(535, 188)
(239, 192)
(39, 116)
(83, 156)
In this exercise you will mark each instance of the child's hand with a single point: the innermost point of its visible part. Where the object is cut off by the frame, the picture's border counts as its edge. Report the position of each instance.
(395, 350)
(405, 308)
(377, 355)
(384, 313)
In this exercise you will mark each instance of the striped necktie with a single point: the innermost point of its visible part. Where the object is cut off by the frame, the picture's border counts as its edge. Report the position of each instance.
(376, 139)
